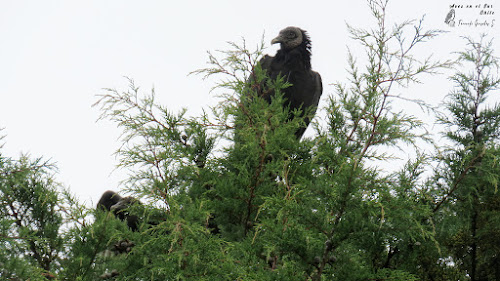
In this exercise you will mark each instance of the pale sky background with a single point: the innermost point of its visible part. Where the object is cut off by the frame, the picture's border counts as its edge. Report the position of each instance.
(56, 56)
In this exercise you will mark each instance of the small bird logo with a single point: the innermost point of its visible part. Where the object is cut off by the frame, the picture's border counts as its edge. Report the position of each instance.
(450, 18)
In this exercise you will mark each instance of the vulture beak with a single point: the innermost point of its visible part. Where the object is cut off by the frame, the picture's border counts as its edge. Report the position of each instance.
(277, 40)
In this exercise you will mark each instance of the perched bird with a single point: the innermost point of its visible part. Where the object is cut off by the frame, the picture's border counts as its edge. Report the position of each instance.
(293, 62)
(112, 201)
(450, 18)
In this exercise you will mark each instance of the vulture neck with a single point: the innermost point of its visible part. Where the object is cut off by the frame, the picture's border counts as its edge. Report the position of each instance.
(298, 58)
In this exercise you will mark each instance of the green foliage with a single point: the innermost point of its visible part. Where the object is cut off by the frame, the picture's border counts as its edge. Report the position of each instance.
(30, 218)
(233, 195)
(470, 169)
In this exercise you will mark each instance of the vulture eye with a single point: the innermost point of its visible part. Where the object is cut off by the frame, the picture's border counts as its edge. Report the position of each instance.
(290, 34)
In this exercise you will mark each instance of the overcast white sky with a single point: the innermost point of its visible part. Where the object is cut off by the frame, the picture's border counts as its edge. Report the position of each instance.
(56, 56)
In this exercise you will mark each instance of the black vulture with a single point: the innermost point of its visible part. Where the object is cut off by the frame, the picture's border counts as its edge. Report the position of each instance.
(112, 201)
(293, 62)
(108, 199)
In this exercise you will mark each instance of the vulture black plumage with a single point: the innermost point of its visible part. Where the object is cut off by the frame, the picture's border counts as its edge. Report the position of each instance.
(112, 201)
(293, 62)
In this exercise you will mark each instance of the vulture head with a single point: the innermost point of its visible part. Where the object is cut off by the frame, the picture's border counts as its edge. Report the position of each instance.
(293, 37)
